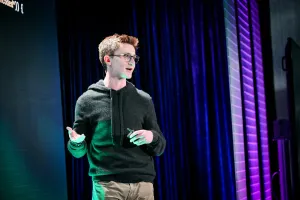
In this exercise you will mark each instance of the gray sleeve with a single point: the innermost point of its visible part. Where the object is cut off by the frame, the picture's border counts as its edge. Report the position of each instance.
(80, 126)
(158, 145)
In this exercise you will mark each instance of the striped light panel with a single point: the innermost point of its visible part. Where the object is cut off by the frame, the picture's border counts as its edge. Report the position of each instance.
(261, 99)
(249, 99)
(235, 98)
(248, 109)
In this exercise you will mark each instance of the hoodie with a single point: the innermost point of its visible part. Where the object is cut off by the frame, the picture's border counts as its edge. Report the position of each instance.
(106, 117)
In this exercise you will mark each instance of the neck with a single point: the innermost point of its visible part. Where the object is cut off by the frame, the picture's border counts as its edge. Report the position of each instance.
(114, 82)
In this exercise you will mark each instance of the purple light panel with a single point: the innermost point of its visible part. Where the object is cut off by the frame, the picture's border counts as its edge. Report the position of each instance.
(249, 98)
(261, 99)
(241, 36)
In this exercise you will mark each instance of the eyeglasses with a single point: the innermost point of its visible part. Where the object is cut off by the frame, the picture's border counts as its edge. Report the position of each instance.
(127, 57)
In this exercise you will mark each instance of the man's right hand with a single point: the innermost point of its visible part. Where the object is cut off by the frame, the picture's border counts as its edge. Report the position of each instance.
(75, 137)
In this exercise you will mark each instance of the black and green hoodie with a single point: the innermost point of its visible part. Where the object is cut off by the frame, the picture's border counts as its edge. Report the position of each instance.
(105, 116)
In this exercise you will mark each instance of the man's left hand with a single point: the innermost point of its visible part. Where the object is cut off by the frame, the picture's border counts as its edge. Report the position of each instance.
(141, 137)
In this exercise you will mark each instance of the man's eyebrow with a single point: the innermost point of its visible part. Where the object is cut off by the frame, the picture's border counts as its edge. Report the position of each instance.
(130, 54)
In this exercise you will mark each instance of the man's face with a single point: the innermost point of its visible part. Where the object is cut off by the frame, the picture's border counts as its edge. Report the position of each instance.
(122, 64)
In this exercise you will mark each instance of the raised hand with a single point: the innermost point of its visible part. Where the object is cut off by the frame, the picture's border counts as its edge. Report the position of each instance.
(75, 137)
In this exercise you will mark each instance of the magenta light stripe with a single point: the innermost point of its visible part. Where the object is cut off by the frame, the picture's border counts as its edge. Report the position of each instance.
(261, 99)
(246, 60)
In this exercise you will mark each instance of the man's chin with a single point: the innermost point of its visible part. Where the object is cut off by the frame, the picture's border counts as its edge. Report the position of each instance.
(129, 76)
(126, 76)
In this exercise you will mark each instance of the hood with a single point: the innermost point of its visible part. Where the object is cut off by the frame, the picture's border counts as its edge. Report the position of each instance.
(99, 87)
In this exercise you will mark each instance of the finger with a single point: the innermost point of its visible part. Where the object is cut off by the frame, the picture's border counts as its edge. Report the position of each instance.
(136, 133)
(130, 131)
(134, 139)
(138, 137)
(129, 134)
(140, 142)
(70, 130)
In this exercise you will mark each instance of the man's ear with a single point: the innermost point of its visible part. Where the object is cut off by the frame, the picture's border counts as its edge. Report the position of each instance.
(107, 60)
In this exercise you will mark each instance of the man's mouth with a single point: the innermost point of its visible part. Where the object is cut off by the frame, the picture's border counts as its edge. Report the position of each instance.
(129, 69)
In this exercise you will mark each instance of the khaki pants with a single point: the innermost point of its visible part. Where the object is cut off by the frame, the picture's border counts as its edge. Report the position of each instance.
(122, 191)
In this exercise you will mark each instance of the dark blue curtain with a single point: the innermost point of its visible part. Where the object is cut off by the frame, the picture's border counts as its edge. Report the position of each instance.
(183, 66)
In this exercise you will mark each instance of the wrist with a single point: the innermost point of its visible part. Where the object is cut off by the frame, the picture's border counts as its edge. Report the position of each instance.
(155, 137)
(77, 144)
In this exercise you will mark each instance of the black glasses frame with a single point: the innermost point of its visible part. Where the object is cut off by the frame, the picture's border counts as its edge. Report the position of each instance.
(128, 57)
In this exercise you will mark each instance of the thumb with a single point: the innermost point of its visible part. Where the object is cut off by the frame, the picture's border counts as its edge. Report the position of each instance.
(70, 130)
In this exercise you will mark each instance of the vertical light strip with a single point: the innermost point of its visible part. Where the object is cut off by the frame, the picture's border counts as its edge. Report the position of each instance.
(235, 98)
(261, 98)
(249, 98)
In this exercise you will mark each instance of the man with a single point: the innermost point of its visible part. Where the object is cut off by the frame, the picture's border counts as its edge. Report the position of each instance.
(115, 124)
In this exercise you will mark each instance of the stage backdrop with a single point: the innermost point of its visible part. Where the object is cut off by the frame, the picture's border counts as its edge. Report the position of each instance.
(32, 151)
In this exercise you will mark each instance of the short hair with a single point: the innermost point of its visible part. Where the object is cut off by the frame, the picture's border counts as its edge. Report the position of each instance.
(111, 43)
